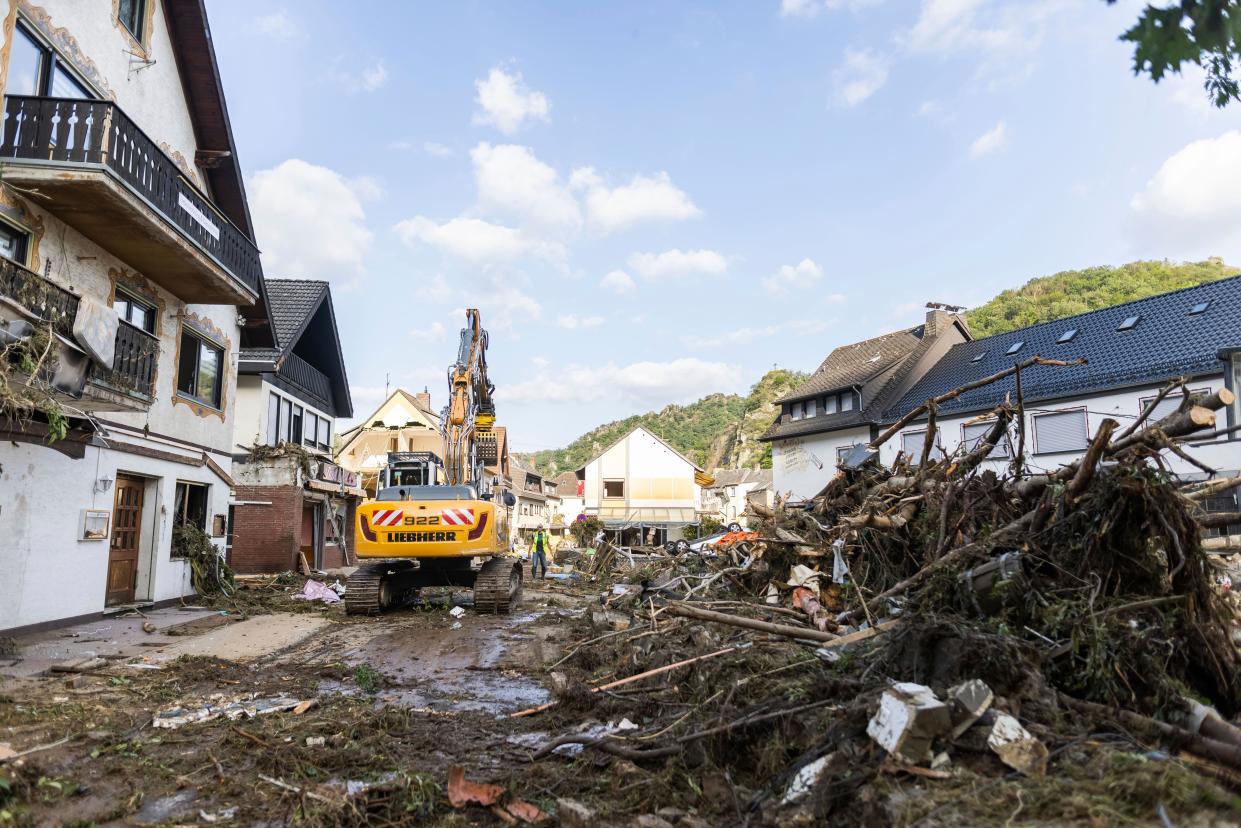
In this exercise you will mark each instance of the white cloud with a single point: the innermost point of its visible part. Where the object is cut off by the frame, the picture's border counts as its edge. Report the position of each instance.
(862, 74)
(619, 282)
(439, 289)
(436, 150)
(507, 103)
(1189, 207)
(505, 306)
(309, 222)
(802, 276)
(811, 8)
(366, 187)
(951, 25)
(644, 198)
(279, 25)
(572, 322)
(990, 141)
(374, 76)
(435, 331)
(647, 384)
(478, 242)
(675, 263)
(1002, 37)
(744, 336)
(511, 180)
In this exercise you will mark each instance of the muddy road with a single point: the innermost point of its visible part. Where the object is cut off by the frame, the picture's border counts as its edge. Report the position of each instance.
(377, 711)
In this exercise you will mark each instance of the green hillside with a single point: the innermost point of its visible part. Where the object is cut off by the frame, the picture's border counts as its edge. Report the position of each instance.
(718, 430)
(1077, 291)
(722, 430)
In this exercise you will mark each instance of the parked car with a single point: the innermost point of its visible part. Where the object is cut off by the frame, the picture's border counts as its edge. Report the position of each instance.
(680, 547)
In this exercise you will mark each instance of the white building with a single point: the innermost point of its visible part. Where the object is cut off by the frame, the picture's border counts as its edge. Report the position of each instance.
(841, 404)
(642, 488)
(123, 226)
(570, 501)
(535, 499)
(403, 422)
(1131, 351)
(726, 497)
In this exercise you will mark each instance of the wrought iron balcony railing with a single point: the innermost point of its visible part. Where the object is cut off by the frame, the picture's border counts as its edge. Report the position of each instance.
(309, 378)
(133, 366)
(46, 301)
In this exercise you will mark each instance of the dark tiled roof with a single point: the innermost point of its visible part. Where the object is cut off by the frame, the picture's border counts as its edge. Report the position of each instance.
(566, 484)
(851, 365)
(291, 302)
(1167, 342)
(736, 477)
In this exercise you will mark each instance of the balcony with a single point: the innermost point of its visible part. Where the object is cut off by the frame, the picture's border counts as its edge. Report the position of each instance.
(28, 302)
(309, 379)
(89, 164)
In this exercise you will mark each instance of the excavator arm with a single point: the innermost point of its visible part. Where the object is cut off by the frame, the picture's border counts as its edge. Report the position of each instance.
(469, 419)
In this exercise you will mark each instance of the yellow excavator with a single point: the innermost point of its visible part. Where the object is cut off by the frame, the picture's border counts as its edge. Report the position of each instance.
(436, 521)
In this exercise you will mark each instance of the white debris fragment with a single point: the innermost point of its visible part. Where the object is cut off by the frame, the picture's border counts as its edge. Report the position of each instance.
(968, 701)
(804, 780)
(1016, 747)
(315, 741)
(457, 612)
(909, 717)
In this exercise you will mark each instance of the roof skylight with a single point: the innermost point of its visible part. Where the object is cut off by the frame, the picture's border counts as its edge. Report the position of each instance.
(979, 357)
(1067, 336)
(1201, 307)
(1015, 347)
(1128, 324)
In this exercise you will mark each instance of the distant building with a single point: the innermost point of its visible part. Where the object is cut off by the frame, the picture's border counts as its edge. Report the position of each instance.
(403, 422)
(725, 499)
(642, 489)
(842, 402)
(290, 499)
(534, 506)
(571, 501)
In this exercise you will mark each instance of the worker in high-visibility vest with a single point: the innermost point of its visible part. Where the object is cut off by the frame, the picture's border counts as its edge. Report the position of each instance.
(538, 553)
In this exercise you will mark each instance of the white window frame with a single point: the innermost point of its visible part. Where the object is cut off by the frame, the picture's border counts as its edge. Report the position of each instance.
(921, 432)
(797, 411)
(1178, 397)
(1034, 428)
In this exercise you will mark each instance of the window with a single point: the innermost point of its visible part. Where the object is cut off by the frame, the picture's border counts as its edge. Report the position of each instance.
(973, 434)
(190, 505)
(325, 433)
(912, 442)
(979, 357)
(1200, 307)
(132, 14)
(812, 408)
(311, 430)
(34, 69)
(1129, 322)
(13, 243)
(843, 451)
(392, 444)
(295, 425)
(135, 311)
(199, 369)
(797, 410)
(1168, 404)
(614, 488)
(1015, 347)
(286, 417)
(273, 420)
(1060, 431)
(1067, 336)
(829, 404)
(848, 401)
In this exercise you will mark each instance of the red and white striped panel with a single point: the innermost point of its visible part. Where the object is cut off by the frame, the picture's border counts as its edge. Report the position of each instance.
(387, 517)
(457, 517)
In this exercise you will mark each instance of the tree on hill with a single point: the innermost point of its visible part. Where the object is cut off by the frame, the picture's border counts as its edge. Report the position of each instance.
(1077, 291)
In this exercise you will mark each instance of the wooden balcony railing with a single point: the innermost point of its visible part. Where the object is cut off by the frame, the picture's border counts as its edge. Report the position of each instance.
(133, 366)
(308, 378)
(98, 133)
(45, 300)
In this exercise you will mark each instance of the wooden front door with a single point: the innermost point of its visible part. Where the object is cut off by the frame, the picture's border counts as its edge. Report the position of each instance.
(126, 530)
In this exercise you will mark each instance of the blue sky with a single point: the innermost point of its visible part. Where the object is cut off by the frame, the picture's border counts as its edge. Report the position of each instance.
(654, 201)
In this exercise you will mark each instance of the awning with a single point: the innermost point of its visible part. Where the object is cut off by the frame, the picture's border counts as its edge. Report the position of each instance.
(618, 516)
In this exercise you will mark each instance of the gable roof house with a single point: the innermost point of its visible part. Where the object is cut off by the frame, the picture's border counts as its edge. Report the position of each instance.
(130, 243)
(725, 499)
(291, 499)
(842, 402)
(402, 422)
(1131, 351)
(642, 483)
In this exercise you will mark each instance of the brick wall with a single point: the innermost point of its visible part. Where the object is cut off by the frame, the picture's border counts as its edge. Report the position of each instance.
(265, 538)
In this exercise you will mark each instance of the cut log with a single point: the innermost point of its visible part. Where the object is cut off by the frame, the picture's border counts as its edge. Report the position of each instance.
(688, 611)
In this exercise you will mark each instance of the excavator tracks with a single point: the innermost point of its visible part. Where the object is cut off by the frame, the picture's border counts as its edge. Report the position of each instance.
(374, 587)
(498, 586)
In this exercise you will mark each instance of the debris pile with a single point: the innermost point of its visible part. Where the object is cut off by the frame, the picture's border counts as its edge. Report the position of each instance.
(923, 630)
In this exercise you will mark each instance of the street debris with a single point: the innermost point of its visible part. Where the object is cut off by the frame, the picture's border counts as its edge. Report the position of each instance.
(219, 705)
(318, 591)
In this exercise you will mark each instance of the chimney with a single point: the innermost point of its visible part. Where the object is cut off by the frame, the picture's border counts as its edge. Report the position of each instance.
(424, 398)
(937, 321)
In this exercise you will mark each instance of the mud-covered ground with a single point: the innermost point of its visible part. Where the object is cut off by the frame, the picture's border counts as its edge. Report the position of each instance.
(398, 700)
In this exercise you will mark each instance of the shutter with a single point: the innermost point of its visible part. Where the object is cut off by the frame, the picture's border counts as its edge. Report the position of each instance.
(974, 434)
(1061, 432)
(911, 444)
(1168, 404)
